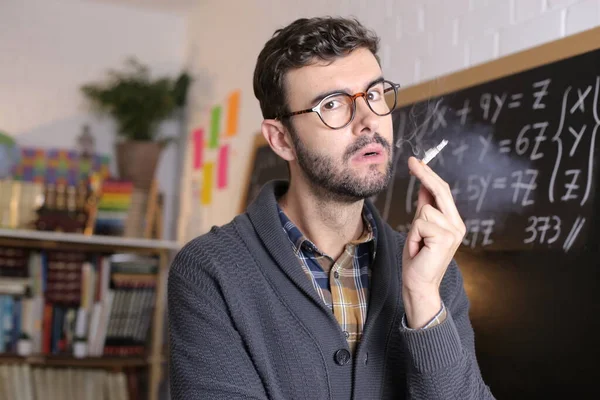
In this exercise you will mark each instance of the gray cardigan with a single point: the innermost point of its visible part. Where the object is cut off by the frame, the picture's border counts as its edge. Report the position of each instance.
(245, 323)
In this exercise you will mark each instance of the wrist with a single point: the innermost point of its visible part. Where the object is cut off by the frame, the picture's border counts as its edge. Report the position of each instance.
(421, 307)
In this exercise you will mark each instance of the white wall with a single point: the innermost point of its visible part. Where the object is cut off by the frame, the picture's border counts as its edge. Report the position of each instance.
(49, 48)
(421, 39)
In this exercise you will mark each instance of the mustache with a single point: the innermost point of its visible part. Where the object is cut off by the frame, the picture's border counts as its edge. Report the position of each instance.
(363, 141)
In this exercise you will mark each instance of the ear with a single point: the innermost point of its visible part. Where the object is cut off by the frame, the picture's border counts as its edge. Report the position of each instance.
(278, 138)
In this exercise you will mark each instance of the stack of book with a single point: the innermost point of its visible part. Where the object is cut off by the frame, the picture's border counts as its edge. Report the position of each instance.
(113, 207)
(133, 287)
(63, 300)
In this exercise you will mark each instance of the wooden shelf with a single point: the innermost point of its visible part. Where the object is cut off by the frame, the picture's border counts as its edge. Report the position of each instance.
(154, 361)
(31, 238)
(70, 361)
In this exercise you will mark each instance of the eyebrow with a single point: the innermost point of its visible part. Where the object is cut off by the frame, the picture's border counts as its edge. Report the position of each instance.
(321, 96)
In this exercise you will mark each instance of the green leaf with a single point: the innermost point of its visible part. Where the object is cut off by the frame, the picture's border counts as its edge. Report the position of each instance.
(136, 101)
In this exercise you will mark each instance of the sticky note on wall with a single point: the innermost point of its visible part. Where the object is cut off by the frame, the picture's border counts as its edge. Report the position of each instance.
(223, 167)
(233, 109)
(215, 127)
(207, 184)
(198, 146)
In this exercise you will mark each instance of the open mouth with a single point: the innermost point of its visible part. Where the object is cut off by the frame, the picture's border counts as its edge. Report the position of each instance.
(371, 150)
(371, 153)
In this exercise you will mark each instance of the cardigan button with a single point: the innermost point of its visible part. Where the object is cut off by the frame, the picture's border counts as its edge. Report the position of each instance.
(342, 357)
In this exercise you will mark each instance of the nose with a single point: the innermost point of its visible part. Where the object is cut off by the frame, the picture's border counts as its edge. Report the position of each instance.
(365, 120)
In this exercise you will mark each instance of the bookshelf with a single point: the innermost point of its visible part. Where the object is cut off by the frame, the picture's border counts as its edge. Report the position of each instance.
(154, 359)
(97, 242)
(67, 361)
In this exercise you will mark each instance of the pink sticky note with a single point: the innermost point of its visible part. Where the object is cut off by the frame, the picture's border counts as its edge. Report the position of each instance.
(223, 166)
(198, 138)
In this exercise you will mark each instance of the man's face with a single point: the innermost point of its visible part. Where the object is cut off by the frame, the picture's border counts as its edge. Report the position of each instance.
(351, 163)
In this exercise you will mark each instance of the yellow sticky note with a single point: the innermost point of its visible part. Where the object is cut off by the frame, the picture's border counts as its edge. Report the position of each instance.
(233, 108)
(207, 183)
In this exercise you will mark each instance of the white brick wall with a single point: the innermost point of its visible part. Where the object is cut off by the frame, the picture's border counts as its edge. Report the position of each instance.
(524, 10)
(412, 19)
(485, 19)
(548, 26)
(581, 16)
(560, 3)
(483, 48)
(421, 39)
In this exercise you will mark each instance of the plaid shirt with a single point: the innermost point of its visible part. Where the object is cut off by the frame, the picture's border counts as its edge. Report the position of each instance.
(342, 284)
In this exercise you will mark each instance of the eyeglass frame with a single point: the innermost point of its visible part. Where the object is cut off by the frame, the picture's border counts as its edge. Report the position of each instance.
(353, 98)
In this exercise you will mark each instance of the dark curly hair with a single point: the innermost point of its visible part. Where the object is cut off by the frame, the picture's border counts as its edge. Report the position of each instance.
(301, 43)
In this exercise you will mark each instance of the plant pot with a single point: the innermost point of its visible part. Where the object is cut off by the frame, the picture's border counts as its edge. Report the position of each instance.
(137, 161)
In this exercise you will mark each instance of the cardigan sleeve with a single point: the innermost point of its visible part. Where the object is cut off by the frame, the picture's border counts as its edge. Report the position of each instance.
(207, 359)
(442, 362)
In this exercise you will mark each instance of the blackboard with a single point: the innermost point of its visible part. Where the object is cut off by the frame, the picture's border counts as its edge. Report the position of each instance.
(522, 162)
(527, 189)
(520, 159)
(265, 165)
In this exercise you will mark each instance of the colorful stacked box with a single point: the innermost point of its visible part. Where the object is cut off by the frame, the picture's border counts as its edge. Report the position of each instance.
(113, 207)
(59, 166)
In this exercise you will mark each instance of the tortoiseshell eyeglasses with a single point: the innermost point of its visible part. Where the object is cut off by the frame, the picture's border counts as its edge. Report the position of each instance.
(338, 109)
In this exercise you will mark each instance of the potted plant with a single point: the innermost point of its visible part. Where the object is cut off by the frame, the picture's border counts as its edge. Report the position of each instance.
(138, 103)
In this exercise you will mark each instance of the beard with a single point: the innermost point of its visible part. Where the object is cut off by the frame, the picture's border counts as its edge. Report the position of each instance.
(340, 182)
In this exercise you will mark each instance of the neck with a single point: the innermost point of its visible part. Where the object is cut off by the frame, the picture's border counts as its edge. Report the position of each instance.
(329, 223)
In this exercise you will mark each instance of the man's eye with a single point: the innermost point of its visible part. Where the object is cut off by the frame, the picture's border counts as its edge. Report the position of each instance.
(374, 95)
(331, 105)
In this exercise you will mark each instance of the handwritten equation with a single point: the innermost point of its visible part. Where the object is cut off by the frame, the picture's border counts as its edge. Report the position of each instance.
(520, 164)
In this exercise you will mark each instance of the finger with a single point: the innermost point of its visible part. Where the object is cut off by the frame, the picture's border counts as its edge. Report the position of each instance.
(424, 198)
(432, 214)
(438, 188)
(427, 233)
(421, 170)
(444, 201)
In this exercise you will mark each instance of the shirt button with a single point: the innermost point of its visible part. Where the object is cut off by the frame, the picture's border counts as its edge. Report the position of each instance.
(342, 357)
(346, 334)
(336, 275)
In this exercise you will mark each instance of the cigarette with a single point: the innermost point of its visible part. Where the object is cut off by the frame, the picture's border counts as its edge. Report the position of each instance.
(434, 151)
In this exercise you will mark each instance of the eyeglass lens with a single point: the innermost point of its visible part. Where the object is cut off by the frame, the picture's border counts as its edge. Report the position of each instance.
(336, 110)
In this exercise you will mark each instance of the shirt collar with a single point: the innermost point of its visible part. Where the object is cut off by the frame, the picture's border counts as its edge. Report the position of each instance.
(299, 241)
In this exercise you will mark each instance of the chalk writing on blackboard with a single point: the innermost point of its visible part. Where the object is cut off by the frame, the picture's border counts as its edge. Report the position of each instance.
(520, 162)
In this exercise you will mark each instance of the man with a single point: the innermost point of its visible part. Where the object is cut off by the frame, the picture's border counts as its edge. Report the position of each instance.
(309, 294)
